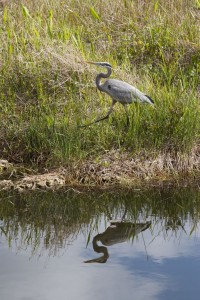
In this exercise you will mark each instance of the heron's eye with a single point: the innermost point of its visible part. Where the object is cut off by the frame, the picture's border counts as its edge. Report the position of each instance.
(109, 87)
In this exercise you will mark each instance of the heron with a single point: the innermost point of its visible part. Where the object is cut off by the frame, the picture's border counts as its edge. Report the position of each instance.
(118, 232)
(118, 90)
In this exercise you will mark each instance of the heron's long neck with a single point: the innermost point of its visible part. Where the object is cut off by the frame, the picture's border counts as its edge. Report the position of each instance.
(96, 247)
(102, 75)
(99, 249)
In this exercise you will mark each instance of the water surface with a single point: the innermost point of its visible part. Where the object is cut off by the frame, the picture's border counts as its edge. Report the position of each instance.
(109, 245)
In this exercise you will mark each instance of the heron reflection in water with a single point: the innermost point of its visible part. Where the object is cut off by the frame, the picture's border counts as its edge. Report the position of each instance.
(118, 232)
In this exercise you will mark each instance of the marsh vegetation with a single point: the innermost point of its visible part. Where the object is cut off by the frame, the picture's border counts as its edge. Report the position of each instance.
(46, 90)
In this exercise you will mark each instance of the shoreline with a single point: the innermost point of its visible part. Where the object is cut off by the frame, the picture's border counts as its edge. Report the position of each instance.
(112, 169)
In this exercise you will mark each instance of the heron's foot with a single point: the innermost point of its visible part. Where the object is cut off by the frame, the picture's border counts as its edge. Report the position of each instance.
(103, 118)
(96, 121)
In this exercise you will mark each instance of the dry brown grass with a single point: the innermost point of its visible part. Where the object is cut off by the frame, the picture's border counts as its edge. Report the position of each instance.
(123, 168)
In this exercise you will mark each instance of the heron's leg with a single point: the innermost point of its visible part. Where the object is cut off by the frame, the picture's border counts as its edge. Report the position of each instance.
(108, 113)
(127, 116)
(103, 118)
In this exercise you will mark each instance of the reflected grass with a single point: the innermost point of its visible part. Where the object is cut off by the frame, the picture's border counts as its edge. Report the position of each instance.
(51, 221)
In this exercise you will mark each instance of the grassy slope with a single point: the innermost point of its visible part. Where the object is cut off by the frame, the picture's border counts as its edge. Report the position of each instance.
(46, 90)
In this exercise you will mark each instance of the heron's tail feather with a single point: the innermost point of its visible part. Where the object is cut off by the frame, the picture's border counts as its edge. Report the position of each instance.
(151, 101)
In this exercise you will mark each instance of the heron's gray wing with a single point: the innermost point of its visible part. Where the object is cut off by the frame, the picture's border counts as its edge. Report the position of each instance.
(121, 91)
(124, 92)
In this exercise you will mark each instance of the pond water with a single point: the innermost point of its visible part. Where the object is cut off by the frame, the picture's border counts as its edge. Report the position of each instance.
(139, 244)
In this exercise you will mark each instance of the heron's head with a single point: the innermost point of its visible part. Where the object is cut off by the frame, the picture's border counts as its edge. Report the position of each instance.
(101, 64)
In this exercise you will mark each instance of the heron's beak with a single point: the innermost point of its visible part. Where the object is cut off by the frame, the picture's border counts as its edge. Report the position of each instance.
(92, 63)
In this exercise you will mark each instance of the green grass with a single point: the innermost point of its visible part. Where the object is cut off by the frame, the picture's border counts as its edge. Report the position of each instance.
(46, 91)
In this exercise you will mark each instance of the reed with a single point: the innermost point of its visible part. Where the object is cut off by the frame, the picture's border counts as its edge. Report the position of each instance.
(46, 90)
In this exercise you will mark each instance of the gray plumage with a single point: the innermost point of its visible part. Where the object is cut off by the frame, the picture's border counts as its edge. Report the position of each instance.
(119, 91)
(124, 92)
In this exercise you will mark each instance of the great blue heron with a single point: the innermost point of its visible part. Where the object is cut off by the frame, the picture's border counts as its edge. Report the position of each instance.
(118, 90)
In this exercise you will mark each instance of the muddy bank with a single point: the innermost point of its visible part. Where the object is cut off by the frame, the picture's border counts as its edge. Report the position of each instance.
(113, 168)
(15, 178)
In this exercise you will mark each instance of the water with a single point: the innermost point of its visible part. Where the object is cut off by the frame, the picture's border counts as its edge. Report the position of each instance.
(49, 243)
